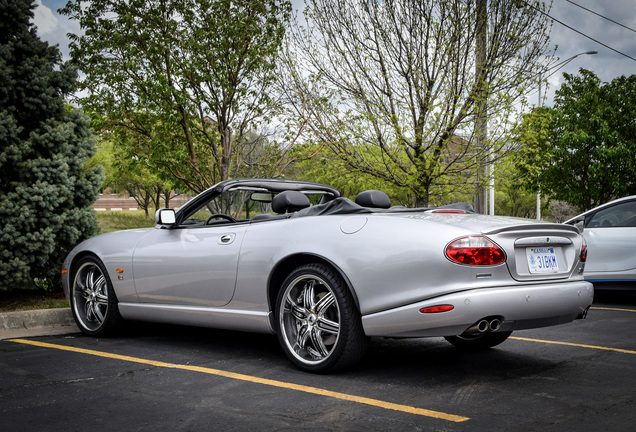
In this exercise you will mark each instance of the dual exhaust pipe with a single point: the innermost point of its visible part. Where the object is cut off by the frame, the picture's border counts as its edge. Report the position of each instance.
(484, 325)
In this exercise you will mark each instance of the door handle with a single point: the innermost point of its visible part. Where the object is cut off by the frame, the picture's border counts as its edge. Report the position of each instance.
(226, 239)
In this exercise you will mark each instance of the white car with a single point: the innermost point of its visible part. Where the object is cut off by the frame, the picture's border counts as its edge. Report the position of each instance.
(610, 233)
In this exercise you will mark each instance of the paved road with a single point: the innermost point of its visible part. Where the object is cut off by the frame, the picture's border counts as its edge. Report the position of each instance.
(575, 377)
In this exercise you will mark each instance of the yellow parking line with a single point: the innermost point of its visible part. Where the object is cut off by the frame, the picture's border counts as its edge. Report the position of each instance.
(253, 379)
(613, 309)
(624, 351)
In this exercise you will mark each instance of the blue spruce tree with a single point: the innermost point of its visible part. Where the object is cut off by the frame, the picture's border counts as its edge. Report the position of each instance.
(46, 194)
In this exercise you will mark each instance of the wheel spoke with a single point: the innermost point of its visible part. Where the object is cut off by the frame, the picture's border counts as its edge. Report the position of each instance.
(315, 355)
(318, 343)
(97, 313)
(88, 310)
(308, 295)
(101, 299)
(100, 284)
(297, 311)
(328, 326)
(89, 281)
(324, 303)
(303, 336)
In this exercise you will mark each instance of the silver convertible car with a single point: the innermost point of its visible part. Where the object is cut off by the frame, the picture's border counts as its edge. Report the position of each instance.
(325, 273)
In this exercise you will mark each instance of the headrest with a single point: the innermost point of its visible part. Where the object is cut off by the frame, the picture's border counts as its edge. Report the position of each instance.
(290, 201)
(373, 198)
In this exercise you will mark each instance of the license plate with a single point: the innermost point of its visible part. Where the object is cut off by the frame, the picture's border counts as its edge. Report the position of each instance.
(542, 259)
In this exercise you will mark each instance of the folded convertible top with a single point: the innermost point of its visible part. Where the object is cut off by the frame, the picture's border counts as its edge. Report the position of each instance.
(344, 205)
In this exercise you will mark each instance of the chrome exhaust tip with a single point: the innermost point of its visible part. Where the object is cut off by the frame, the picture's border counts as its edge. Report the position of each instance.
(494, 325)
(483, 326)
(479, 327)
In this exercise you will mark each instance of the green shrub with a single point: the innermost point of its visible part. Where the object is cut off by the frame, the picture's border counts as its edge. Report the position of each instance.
(46, 194)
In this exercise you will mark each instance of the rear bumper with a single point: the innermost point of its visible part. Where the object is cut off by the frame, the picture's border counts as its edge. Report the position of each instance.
(519, 307)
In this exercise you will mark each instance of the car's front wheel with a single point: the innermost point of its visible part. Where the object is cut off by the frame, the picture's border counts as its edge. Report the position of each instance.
(479, 342)
(319, 326)
(93, 299)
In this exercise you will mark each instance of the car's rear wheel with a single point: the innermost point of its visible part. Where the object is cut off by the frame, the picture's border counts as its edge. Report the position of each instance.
(478, 342)
(319, 326)
(93, 299)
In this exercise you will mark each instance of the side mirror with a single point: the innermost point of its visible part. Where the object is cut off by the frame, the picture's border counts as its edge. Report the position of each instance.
(166, 217)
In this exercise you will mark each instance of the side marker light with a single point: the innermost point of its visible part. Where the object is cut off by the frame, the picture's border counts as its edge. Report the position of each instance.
(437, 309)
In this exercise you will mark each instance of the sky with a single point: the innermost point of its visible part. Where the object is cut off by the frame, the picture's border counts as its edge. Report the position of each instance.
(607, 64)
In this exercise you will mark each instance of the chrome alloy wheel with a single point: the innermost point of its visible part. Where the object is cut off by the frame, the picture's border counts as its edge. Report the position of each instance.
(309, 319)
(90, 296)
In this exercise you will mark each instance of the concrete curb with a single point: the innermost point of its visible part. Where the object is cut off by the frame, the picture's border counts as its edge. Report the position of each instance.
(37, 323)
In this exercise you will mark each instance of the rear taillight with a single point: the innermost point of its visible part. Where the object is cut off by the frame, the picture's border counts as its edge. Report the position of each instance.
(583, 255)
(475, 250)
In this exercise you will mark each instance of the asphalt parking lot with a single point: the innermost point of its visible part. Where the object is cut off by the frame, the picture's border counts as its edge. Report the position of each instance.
(574, 377)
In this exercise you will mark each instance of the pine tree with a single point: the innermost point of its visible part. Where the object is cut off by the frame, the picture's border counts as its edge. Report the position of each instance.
(46, 195)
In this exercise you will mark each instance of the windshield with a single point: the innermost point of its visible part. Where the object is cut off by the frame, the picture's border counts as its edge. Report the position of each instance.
(238, 205)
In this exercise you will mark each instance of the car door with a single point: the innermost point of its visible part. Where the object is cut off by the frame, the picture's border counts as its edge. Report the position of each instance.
(610, 234)
(191, 266)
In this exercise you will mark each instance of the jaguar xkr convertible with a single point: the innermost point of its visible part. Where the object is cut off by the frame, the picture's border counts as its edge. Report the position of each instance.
(326, 273)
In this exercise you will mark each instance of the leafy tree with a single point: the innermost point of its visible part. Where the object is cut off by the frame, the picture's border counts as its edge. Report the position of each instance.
(403, 77)
(104, 158)
(137, 179)
(583, 150)
(511, 199)
(326, 167)
(186, 81)
(533, 137)
(47, 195)
(562, 211)
(131, 176)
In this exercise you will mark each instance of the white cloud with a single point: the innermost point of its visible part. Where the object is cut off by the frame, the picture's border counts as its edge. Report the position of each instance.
(45, 19)
(607, 64)
(53, 27)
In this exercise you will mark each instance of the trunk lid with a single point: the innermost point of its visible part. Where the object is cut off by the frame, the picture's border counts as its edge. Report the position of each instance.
(540, 251)
(535, 251)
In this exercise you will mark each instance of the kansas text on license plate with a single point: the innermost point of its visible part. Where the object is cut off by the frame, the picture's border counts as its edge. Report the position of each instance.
(542, 260)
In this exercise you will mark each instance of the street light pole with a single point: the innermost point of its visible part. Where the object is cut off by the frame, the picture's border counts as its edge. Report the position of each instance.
(554, 69)
(481, 104)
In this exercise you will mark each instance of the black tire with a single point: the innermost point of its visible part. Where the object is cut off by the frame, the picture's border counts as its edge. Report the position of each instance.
(478, 342)
(93, 300)
(319, 326)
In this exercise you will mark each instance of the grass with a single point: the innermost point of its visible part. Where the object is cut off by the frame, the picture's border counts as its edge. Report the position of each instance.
(110, 221)
(21, 300)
